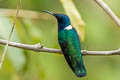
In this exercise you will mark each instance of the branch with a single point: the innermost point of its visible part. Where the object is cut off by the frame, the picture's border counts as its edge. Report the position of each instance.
(40, 48)
(107, 9)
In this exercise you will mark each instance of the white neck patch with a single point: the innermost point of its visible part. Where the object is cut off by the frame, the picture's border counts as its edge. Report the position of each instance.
(68, 27)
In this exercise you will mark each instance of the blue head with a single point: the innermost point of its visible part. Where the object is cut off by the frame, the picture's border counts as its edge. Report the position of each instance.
(62, 19)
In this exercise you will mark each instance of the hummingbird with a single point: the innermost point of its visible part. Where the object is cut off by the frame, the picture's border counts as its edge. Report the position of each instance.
(69, 42)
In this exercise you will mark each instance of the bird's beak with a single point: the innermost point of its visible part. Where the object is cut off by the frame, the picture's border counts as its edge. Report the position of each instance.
(46, 11)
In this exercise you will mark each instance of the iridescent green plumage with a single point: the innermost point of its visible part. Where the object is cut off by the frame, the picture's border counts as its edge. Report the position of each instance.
(70, 44)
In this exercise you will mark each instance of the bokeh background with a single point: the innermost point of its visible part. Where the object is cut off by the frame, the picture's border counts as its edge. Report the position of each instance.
(101, 33)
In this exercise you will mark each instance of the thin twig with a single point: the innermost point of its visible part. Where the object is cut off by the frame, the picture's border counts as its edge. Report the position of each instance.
(9, 37)
(108, 10)
(40, 48)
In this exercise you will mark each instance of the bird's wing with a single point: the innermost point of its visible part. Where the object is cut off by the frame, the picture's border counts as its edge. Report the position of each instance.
(70, 45)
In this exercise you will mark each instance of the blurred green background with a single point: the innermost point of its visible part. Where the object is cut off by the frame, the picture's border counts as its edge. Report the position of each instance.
(101, 33)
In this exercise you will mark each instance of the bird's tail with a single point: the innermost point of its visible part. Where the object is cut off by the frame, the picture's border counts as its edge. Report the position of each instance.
(76, 65)
(79, 69)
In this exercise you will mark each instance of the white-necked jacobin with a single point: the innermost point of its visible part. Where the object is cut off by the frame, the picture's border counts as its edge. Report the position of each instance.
(70, 44)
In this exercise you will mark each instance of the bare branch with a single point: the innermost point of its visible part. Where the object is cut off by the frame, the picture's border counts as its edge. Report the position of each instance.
(36, 47)
(40, 48)
(107, 9)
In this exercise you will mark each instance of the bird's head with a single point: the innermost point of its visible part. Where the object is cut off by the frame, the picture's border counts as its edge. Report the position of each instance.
(63, 20)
